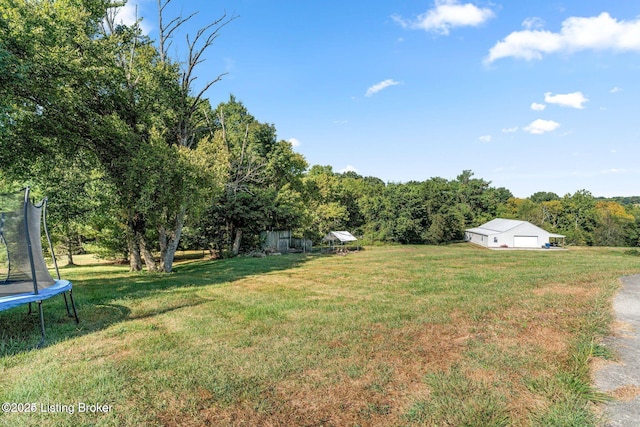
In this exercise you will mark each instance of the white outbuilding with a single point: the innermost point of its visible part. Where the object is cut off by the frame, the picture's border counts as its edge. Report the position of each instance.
(511, 233)
(340, 238)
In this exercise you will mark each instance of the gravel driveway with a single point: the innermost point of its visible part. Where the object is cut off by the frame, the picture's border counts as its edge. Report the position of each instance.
(621, 379)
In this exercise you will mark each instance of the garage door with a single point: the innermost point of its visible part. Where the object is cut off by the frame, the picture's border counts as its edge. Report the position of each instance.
(525, 241)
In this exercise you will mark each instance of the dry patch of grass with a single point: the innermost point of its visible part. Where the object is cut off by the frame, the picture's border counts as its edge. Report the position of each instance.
(623, 329)
(563, 289)
(626, 393)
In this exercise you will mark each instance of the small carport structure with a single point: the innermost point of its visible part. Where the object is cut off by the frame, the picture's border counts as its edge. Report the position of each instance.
(339, 237)
(511, 233)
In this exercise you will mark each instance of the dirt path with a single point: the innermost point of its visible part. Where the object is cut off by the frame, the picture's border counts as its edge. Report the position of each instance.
(621, 379)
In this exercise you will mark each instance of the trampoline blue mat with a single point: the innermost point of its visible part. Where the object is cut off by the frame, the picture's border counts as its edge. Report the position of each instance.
(16, 300)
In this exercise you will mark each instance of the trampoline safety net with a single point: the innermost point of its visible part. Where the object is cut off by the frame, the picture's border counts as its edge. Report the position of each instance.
(22, 265)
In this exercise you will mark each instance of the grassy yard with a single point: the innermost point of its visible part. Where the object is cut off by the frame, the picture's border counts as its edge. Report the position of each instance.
(420, 335)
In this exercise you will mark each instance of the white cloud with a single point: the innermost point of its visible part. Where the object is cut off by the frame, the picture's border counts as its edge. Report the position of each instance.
(601, 32)
(294, 142)
(349, 168)
(486, 138)
(379, 86)
(538, 127)
(448, 14)
(533, 23)
(129, 15)
(538, 107)
(573, 100)
(614, 170)
(510, 130)
(615, 89)
(229, 64)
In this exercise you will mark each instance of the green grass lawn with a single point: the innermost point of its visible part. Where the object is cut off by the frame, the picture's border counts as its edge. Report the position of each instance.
(418, 335)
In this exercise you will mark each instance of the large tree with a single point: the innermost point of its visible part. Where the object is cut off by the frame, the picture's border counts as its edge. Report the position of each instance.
(192, 121)
(77, 82)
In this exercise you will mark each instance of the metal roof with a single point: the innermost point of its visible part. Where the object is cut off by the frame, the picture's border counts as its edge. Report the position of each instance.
(343, 236)
(501, 225)
(483, 231)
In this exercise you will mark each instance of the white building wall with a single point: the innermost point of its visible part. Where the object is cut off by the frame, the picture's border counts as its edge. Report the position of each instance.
(478, 239)
(526, 229)
(496, 240)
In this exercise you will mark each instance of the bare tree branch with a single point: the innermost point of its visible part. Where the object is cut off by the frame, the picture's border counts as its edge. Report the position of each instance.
(196, 46)
(109, 27)
(204, 39)
(166, 31)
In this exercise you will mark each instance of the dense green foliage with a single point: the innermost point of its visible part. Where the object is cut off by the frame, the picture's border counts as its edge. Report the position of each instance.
(98, 117)
(437, 210)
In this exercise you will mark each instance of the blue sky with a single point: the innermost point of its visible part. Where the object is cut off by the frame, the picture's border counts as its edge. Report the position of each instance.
(532, 96)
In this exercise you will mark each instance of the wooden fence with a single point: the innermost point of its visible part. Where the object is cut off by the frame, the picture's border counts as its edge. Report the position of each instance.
(284, 242)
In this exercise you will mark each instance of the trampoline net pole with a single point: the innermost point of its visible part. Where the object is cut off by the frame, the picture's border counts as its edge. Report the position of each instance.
(46, 232)
(28, 238)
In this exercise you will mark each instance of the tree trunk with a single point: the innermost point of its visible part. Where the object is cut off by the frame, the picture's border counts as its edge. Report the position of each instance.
(80, 245)
(69, 251)
(139, 243)
(162, 240)
(135, 262)
(146, 253)
(237, 241)
(69, 245)
(171, 242)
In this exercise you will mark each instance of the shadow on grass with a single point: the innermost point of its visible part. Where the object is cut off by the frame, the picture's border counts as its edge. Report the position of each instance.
(97, 294)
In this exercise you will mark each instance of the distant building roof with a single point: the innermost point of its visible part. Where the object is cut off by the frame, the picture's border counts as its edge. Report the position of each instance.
(501, 225)
(342, 236)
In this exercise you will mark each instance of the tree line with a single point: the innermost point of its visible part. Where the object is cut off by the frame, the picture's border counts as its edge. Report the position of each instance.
(137, 163)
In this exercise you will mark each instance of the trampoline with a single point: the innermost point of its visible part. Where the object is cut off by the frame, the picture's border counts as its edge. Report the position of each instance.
(24, 276)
